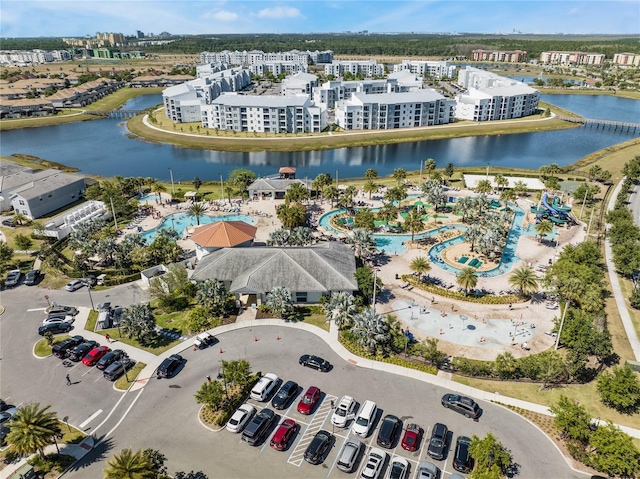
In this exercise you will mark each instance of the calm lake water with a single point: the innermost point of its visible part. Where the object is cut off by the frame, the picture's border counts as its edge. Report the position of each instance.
(103, 147)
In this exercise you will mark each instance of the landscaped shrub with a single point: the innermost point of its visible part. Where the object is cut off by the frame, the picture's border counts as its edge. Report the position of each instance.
(447, 293)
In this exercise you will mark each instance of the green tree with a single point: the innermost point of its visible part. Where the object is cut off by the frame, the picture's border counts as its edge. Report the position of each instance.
(31, 429)
(137, 321)
(520, 188)
(197, 183)
(371, 330)
(492, 459)
(129, 465)
(414, 222)
(331, 193)
(321, 182)
(236, 372)
(279, 301)
(23, 242)
(543, 228)
(296, 193)
(171, 282)
(399, 174)
(620, 389)
(6, 255)
(429, 167)
(366, 279)
(483, 187)
(370, 174)
(551, 367)
(572, 419)
(340, 308)
(241, 178)
(364, 218)
(420, 264)
(506, 365)
(508, 195)
(370, 186)
(292, 214)
(613, 452)
(431, 353)
(467, 279)
(500, 181)
(212, 395)
(196, 210)
(524, 279)
(212, 295)
(449, 170)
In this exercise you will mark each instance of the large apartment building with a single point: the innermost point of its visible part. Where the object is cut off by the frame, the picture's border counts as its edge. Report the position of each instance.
(627, 59)
(264, 114)
(572, 58)
(491, 97)
(299, 84)
(386, 111)
(513, 56)
(254, 57)
(430, 69)
(367, 68)
(277, 68)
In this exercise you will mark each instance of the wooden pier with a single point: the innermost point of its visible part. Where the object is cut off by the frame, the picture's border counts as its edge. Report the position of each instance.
(114, 113)
(605, 124)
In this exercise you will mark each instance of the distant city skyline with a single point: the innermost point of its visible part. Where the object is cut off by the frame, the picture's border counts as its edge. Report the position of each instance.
(61, 18)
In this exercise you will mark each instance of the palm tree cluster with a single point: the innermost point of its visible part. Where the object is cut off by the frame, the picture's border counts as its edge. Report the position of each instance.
(280, 302)
(371, 329)
(362, 242)
(298, 236)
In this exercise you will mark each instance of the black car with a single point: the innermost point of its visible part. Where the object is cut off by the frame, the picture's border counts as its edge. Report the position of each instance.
(462, 460)
(284, 396)
(55, 328)
(109, 358)
(62, 348)
(315, 362)
(118, 368)
(259, 425)
(32, 277)
(81, 350)
(318, 447)
(438, 442)
(389, 429)
(462, 404)
(169, 366)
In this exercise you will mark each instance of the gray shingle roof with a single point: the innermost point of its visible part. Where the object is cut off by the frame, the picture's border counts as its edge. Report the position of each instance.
(323, 268)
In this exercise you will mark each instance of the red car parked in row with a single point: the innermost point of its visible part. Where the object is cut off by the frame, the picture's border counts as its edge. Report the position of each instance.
(94, 355)
(283, 434)
(309, 401)
(412, 437)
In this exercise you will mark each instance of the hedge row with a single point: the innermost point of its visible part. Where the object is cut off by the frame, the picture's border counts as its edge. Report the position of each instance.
(447, 293)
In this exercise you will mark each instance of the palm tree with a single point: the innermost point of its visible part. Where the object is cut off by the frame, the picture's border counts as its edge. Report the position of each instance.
(524, 279)
(399, 174)
(279, 301)
(465, 206)
(473, 234)
(397, 193)
(279, 237)
(363, 242)
(420, 264)
(196, 210)
(467, 278)
(483, 186)
(300, 236)
(389, 212)
(508, 195)
(370, 186)
(331, 193)
(157, 187)
(137, 320)
(129, 465)
(370, 329)
(321, 182)
(370, 174)
(414, 222)
(429, 166)
(340, 308)
(31, 429)
(212, 295)
(296, 193)
(543, 228)
(348, 194)
(500, 181)
(19, 219)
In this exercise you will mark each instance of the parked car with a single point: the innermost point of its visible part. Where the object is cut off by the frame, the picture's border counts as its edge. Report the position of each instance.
(264, 387)
(427, 470)
(169, 366)
(54, 318)
(286, 430)
(9, 223)
(462, 460)
(284, 395)
(438, 443)
(118, 368)
(32, 277)
(258, 427)
(389, 429)
(13, 278)
(318, 446)
(59, 309)
(204, 340)
(373, 466)
(93, 356)
(308, 402)
(315, 362)
(5, 417)
(412, 437)
(81, 350)
(398, 468)
(240, 418)
(365, 418)
(62, 348)
(348, 457)
(345, 411)
(74, 285)
(54, 328)
(109, 358)
(462, 404)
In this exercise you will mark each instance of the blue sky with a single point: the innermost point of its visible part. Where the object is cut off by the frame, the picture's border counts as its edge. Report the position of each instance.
(28, 18)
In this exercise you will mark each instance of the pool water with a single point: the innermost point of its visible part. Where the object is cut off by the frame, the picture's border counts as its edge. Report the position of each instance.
(181, 221)
(154, 197)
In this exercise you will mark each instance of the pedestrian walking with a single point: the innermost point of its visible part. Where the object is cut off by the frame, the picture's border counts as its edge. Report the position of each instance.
(108, 338)
(332, 404)
(68, 380)
(452, 308)
(208, 378)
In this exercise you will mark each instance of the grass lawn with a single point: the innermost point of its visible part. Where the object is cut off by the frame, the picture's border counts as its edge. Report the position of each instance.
(612, 158)
(627, 289)
(91, 321)
(586, 394)
(311, 315)
(70, 435)
(42, 348)
(175, 322)
(122, 383)
(157, 347)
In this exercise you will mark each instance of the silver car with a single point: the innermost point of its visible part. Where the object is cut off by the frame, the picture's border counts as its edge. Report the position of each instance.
(73, 285)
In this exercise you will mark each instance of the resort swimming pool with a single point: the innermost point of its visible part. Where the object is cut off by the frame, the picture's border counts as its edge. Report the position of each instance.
(181, 221)
(394, 243)
(150, 198)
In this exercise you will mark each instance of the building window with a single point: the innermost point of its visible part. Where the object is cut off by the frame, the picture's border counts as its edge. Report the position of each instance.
(301, 296)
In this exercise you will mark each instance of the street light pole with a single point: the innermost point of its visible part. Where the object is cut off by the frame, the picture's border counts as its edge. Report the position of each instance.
(375, 281)
(90, 298)
(221, 187)
(420, 178)
(173, 190)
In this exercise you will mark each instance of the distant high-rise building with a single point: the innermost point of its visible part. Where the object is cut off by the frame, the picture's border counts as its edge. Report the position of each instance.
(139, 34)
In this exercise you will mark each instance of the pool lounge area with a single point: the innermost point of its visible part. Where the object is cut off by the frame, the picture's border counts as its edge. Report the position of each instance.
(181, 221)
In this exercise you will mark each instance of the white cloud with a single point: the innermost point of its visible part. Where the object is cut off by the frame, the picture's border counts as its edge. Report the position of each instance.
(279, 12)
(222, 16)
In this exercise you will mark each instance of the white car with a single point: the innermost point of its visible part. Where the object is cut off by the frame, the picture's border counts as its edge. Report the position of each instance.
(345, 411)
(240, 418)
(58, 319)
(373, 466)
(264, 387)
(73, 285)
(398, 468)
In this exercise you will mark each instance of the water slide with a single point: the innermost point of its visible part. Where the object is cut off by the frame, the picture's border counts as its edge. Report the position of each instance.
(556, 204)
(551, 208)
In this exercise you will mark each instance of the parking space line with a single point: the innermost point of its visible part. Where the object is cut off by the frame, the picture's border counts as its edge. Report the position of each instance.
(333, 464)
(317, 421)
(90, 418)
(36, 309)
(88, 371)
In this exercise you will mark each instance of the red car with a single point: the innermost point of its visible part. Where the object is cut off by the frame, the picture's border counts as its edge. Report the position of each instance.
(94, 355)
(309, 400)
(283, 434)
(412, 437)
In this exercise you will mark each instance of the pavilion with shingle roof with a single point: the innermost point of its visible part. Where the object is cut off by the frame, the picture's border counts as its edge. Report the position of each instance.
(222, 234)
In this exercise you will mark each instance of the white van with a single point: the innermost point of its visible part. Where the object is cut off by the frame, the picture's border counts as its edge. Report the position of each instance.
(265, 385)
(364, 419)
